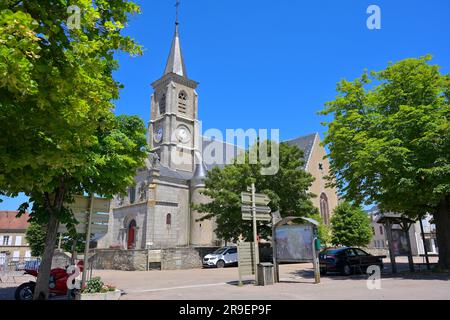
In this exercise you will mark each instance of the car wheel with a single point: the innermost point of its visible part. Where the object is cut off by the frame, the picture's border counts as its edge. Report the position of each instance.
(220, 264)
(346, 270)
(25, 291)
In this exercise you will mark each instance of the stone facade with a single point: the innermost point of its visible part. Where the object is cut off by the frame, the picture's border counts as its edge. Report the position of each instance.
(164, 259)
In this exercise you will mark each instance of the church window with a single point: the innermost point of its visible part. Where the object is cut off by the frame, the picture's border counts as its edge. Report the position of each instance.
(381, 230)
(162, 105)
(169, 220)
(182, 102)
(324, 209)
(132, 194)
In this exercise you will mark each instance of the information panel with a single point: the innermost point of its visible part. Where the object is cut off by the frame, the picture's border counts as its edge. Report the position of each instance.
(294, 243)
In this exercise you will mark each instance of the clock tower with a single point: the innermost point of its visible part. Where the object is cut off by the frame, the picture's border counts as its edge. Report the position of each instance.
(173, 127)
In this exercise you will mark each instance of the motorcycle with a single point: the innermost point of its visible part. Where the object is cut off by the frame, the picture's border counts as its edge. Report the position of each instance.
(57, 284)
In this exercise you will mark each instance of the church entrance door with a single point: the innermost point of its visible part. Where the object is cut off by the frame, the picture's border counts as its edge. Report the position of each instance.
(131, 234)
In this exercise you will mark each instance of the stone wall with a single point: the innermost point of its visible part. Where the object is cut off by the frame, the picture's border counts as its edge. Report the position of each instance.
(116, 259)
(377, 251)
(163, 259)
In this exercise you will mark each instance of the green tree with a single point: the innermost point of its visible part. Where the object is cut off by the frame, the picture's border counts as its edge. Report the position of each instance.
(389, 142)
(323, 229)
(350, 226)
(36, 233)
(36, 238)
(287, 189)
(59, 135)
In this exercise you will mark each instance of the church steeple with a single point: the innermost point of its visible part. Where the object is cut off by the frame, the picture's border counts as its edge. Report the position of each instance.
(175, 62)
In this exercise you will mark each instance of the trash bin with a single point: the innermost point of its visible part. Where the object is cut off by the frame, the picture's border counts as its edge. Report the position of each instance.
(265, 274)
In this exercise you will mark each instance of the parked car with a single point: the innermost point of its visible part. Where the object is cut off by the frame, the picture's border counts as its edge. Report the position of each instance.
(222, 257)
(347, 260)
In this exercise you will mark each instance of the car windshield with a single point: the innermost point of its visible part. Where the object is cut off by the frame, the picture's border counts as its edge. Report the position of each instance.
(333, 251)
(220, 251)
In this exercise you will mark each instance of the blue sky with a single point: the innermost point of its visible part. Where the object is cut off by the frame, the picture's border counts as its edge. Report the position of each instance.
(273, 64)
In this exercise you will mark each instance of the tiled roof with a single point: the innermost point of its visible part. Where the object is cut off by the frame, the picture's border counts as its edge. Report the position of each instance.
(9, 221)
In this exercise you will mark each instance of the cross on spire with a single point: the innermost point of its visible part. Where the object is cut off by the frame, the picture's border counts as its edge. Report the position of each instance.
(177, 5)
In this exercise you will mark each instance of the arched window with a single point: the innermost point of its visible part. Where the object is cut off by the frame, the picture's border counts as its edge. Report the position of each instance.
(169, 220)
(132, 194)
(324, 209)
(162, 105)
(182, 102)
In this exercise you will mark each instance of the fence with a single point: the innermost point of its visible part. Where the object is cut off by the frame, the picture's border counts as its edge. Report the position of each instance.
(12, 268)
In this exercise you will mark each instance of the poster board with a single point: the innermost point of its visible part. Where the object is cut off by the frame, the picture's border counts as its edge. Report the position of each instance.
(294, 243)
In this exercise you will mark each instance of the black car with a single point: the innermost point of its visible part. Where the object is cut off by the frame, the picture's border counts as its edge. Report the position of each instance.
(347, 260)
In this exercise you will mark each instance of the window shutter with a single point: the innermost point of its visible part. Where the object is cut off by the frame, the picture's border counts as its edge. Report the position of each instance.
(10, 241)
(1, 240)
(18, 241)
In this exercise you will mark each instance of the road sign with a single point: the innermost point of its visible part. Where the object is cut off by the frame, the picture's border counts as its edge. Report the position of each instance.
(81, 228)
(259, 217)
(259, 209)
(262, 213)
(260, 199)
(81, 208)
(81, 204)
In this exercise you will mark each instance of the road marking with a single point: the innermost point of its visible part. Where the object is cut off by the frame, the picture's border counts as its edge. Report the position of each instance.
(181, 287)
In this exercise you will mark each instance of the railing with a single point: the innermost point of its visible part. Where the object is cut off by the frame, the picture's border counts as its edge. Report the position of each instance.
(8, 264)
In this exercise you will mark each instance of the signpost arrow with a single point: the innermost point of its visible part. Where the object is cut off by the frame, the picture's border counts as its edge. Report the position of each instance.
(260, 199)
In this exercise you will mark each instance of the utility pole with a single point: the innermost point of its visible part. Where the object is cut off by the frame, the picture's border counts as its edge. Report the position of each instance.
(425, 249)
(255, 233)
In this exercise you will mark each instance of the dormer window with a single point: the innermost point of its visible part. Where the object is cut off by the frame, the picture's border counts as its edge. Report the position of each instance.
(182, 102)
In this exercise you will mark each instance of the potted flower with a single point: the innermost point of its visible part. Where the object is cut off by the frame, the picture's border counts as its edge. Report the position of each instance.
(95, 289)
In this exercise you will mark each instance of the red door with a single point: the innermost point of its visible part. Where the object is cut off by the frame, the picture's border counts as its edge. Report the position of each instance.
(131, 235)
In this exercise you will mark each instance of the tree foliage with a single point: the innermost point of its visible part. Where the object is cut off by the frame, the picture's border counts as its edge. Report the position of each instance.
(350, 226)
(59, 135)
(389, 142)
(35, 236)
(287, 189)
(36, 233)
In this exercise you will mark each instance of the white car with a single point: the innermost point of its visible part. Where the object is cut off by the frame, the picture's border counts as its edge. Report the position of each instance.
(221, 257)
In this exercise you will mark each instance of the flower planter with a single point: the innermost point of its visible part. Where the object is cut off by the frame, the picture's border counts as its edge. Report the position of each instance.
(110, 295)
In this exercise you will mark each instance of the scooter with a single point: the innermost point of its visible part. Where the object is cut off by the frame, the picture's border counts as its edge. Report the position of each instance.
(57, 283)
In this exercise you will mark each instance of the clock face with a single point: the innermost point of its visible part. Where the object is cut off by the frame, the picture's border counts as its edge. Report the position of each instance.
(183, 135)
(158, 134)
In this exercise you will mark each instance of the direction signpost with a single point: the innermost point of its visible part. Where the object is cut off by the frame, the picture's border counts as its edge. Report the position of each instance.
(88, 212)
(254, 207)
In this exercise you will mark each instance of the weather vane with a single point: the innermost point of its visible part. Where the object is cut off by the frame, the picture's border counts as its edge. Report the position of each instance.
(177, 6)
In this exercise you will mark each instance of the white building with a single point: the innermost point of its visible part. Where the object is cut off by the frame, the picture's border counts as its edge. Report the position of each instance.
(380, 240)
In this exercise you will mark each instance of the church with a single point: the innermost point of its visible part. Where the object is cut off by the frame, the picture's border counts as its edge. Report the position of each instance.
(156, 212)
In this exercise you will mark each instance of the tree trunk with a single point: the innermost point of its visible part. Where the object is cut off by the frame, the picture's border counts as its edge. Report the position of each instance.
(41, 290)
(442, 220)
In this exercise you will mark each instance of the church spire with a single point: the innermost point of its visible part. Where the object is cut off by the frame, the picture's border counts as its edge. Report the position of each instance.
(175, 62)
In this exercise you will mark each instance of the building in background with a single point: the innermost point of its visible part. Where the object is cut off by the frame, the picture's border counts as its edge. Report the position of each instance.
(12, 236)
(379, 239)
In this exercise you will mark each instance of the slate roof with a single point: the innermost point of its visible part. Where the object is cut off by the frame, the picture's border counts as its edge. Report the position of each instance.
(304, 143)
(230, 152)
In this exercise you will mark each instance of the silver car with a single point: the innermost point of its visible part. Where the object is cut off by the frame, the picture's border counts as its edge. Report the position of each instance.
(221, 257)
